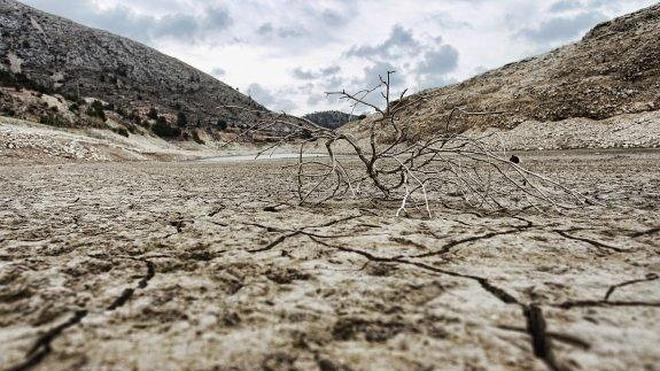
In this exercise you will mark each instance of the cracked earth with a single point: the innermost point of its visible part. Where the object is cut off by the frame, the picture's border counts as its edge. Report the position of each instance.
(204, 266)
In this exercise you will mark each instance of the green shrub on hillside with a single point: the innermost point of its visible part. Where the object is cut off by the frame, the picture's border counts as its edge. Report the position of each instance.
(121, 131)
(20, 81)
(96, 110)
(197, 139)
(153, 114)
(164, 130)
(53, 120)
(6, 111)
(181, 120)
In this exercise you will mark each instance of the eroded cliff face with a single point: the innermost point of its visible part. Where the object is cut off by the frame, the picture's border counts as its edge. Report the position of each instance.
(75, 61)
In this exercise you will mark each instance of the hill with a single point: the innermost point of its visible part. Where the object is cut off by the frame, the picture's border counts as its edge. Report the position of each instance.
(93, 78)
(613, 70)
(331, 119)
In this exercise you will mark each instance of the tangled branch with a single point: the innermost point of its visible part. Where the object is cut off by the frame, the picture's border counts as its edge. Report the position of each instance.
(448, 168)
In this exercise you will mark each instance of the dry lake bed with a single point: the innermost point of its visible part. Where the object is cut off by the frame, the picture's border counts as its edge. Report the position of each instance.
(202, 265)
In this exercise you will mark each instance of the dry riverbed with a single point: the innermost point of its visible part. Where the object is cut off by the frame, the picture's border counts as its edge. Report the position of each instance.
(201, 266)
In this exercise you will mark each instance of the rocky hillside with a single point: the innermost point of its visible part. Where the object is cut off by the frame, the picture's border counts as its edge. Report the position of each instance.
(331, 119)
(613, 70)
(140, 87)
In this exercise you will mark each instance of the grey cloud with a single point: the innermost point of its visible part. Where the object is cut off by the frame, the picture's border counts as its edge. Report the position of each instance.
(332, 18)
(303, 74)
(176, 26)
(369, 80)
(267, 30)
(434, 81)
(270, 99)
(562, 28)
(372, 73)
(339, 15)
(333, 84)
(217, 18)
(218, 71)
(592, 5)
(287, 32)
(332, 70)
(399, 43)
(314, 99)
(306, 88)
(480, 70)
(603, 3)
(426, 62)
(439, 61)
(447, 21)
(433, 69)
(563, 5)
(316, 93)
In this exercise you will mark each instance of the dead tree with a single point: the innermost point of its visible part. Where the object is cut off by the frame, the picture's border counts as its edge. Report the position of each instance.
(447, 168)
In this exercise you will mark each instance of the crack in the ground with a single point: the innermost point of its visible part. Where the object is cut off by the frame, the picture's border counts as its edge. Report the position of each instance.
(275, 242)
(646, 232)
(127, 294)
(604, 304)
(288, 233)
(564, 338)
(42, 347)
(216, 211)
(499, 293)
(596, 244)
(447, 248)
(284, 237)
(407, 241)
(452, 244)
(323, 225)
(610, 291)
(541, 341)
(536, 325)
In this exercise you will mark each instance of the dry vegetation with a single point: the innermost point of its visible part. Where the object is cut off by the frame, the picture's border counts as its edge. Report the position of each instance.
(394, 166)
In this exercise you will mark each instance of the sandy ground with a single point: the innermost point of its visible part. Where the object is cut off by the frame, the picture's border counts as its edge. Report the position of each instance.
(24, 142)
(198, 266)
(624, 131)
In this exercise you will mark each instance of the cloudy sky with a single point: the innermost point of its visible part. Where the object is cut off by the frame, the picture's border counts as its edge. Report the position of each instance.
(287, 53)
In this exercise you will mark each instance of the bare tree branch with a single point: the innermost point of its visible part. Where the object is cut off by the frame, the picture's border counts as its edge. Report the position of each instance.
(442, 167)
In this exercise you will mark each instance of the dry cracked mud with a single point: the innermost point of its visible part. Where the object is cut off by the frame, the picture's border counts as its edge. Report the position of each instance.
(200, 266)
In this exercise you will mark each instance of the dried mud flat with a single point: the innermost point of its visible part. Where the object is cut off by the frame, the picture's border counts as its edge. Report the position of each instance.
(198, 266)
